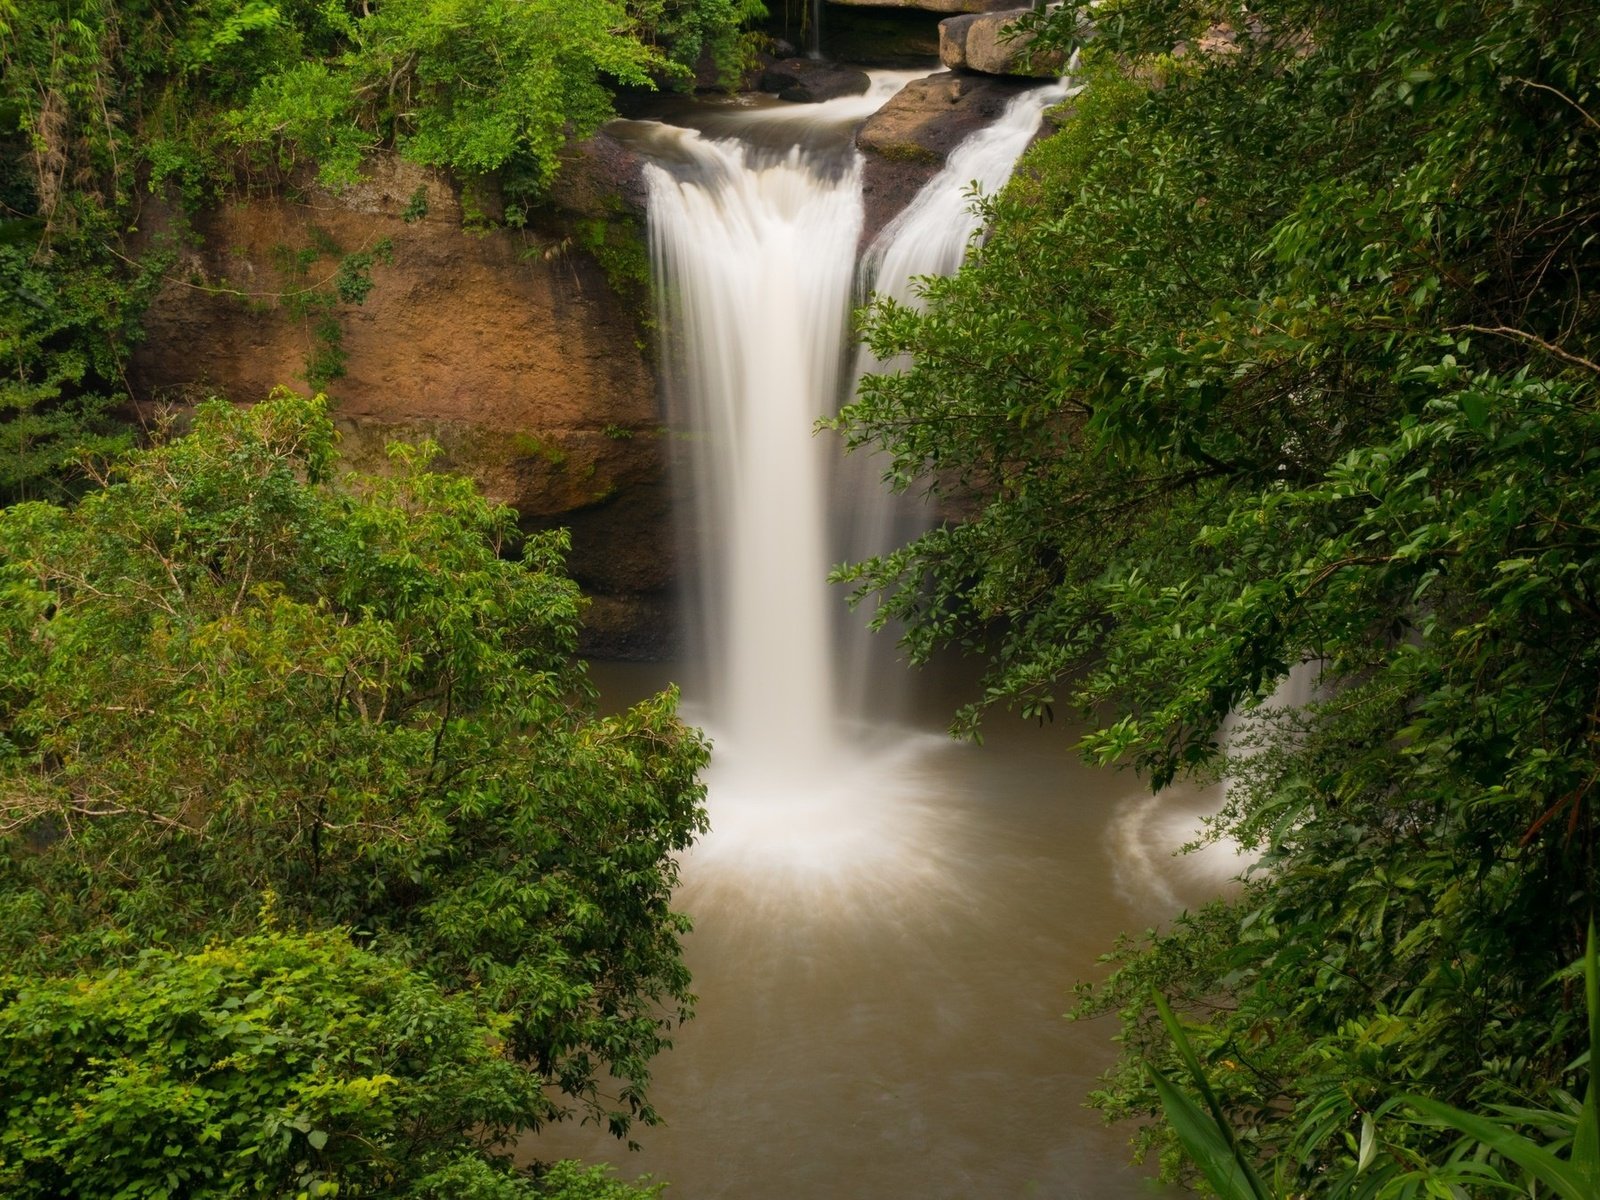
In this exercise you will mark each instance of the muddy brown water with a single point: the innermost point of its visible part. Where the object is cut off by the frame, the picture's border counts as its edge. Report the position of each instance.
(882, 974)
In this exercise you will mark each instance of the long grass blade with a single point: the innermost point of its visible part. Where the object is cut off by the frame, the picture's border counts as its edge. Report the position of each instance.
(1219, 1120)
(1562, 1178)
(1204, 1143)
(1586, 1142)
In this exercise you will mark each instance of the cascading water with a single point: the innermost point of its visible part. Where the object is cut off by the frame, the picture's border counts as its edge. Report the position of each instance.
(887, 922)
(757, 259)
(930, 236)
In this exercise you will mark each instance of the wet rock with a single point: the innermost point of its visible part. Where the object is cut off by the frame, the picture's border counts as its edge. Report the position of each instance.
(600, 176)
(638, 627)
(908, 139)
(809, 81)
(982, 43)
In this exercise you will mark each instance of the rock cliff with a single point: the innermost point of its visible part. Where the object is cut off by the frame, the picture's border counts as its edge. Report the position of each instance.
(510, 348)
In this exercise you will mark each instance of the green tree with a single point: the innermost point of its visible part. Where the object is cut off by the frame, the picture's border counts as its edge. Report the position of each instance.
(278, 1065)
(270, 1066)
(224, 677)
(1283, 352)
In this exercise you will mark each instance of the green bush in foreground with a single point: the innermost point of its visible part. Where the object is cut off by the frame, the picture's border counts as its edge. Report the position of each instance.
(277, 1065)
(222, 677)
(270, 1066)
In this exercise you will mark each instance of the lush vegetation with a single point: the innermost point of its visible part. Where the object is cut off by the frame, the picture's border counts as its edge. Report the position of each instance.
(1285, 353)
(105, 101)
(293, 1063)
(318, 872)
(229, 683)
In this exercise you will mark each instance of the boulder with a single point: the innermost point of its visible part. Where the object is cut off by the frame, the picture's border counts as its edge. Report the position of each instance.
(981, 42)
(810, 81)
(600, 177)
(907, 140)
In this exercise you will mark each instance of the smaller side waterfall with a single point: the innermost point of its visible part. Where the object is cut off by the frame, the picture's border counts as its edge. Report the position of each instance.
(930, 236)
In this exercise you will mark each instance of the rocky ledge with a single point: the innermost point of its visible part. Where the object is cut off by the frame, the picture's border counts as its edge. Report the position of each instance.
(511, 349)
(810, 81)
(983, 42)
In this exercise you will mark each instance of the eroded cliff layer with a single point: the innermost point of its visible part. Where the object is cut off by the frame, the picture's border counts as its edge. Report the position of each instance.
(511, 349)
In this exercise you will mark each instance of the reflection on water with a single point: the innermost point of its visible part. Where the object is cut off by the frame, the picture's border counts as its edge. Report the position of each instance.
(883, 966)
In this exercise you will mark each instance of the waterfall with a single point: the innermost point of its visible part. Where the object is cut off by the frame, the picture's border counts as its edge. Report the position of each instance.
(868, 890)
(755, 257)
(930, 236)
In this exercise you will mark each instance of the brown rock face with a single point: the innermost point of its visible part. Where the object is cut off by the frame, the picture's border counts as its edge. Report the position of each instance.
(510, 349)
(982, 43)
(908, 139)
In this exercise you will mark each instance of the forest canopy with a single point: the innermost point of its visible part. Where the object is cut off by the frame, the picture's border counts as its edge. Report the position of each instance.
(1283, 355)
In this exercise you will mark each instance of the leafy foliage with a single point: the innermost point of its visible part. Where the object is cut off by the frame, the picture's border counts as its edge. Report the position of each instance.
(274, 1065)
(277, 1065)
(63, 335)
(103, 99)
(223, 677)
(1207, 1138)
(1217, 421)
(472, 85)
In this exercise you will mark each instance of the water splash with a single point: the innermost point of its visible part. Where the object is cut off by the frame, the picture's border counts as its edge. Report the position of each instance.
(1145, 845)
(1147, 838)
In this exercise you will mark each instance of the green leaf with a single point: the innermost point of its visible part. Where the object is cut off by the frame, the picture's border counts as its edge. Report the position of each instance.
(1564, 1179)
(1239, 1168)
(1205, 1144)
(1586, 1141)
